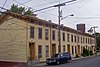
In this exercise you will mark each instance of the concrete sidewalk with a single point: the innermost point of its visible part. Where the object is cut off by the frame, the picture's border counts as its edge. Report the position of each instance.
(73, 59)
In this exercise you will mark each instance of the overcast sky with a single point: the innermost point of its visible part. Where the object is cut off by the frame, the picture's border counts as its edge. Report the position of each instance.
(85, 11)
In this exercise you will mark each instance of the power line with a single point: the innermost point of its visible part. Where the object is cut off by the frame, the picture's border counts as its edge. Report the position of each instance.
(23, 5)
(54, 6)
(46, 3)
(4, 3)
(26, 1)
(86, 18)
(32, 8)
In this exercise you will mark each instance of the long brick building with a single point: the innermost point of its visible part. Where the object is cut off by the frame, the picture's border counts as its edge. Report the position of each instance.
(28, 38)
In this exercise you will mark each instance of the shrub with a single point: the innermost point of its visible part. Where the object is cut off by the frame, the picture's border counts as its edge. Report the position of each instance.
(91, 53)
(86, 52)
(83, 54)
(77, 56)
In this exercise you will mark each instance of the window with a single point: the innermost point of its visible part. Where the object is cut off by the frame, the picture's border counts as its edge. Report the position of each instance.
(64, 48)
(46, 34)
(39, 51)
(68, 37)
(47, 51)
(81, 49)
(63, 36)
(53, 35)
(58, 35)
(86, 40)
(72, 49)
(71, 38)
(78, 39)
(90, 41)
(81, 39)
(75, 49)
(40, 33)
(75, 38)
(31, 32)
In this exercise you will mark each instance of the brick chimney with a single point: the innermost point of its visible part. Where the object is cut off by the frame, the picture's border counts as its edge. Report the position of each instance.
(81, 27)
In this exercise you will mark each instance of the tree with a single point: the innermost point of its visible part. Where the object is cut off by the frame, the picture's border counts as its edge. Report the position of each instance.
(28, 12)
(14, 8)
(98, 39)
(20, 10)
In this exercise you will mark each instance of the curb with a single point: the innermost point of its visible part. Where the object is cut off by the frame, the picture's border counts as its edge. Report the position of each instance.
(73, 59)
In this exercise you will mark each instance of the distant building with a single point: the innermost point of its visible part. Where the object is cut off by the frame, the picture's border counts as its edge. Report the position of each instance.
(81, 27)
(27, 38)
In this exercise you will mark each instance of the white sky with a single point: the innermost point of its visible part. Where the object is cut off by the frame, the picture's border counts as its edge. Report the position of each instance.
(85, 11)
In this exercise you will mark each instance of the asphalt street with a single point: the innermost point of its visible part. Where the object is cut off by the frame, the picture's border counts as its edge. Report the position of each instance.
(87, 62)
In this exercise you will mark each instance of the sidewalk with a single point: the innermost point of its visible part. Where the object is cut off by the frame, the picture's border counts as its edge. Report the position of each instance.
(73, 59)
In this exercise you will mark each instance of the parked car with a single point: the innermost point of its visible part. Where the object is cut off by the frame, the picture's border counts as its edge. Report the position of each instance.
(59, 58)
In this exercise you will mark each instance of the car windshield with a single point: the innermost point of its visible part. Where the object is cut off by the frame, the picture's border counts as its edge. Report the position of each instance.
(55, 55)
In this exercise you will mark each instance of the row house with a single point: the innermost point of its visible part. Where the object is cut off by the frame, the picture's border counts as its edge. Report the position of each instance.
(28, 38)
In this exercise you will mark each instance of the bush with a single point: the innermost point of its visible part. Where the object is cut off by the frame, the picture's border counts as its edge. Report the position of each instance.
(86, 52)
(77, 56)
(91, 53)
(98, 51)
(83, 55)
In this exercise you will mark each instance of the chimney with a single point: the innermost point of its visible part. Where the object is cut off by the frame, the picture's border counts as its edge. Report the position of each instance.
(81, 27)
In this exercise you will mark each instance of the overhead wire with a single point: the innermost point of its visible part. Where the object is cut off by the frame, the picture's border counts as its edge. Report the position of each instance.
(82, 18)
(26, 1)
(55, 15)
(23, 5)
(32, 8)
(47, 3)
(4, 4)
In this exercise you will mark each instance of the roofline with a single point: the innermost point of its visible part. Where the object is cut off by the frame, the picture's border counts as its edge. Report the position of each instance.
(35, 20)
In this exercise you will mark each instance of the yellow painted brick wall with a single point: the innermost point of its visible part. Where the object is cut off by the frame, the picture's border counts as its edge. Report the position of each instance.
(13, 40)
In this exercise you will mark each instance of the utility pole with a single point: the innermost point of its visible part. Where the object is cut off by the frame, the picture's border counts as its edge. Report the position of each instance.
(59, 15)
(59, 18)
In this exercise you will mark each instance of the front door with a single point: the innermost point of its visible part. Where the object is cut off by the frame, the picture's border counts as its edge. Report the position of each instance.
(32, 51)
(78, 49)
(68, 48)
(53, 49)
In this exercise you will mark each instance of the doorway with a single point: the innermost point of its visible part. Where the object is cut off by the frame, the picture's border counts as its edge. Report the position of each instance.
(32, 51)
(68, 48)
(78, 49)
(53, 49)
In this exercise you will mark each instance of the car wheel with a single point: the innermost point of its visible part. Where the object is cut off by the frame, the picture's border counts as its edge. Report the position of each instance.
(58, 62)
(48, 63)
(68, 61)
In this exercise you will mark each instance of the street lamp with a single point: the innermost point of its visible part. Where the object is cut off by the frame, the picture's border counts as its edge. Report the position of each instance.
(59, 34)
(91, 30)
(66, 17)
(59, 15)
(59, 19)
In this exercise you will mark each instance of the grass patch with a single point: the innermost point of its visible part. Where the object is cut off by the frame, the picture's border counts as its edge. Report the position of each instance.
(98, 51)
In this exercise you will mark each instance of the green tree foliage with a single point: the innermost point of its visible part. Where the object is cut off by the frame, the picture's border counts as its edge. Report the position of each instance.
(14, 8)
(28, 12)
(86, 52)
(98, 39)
(20, 10)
